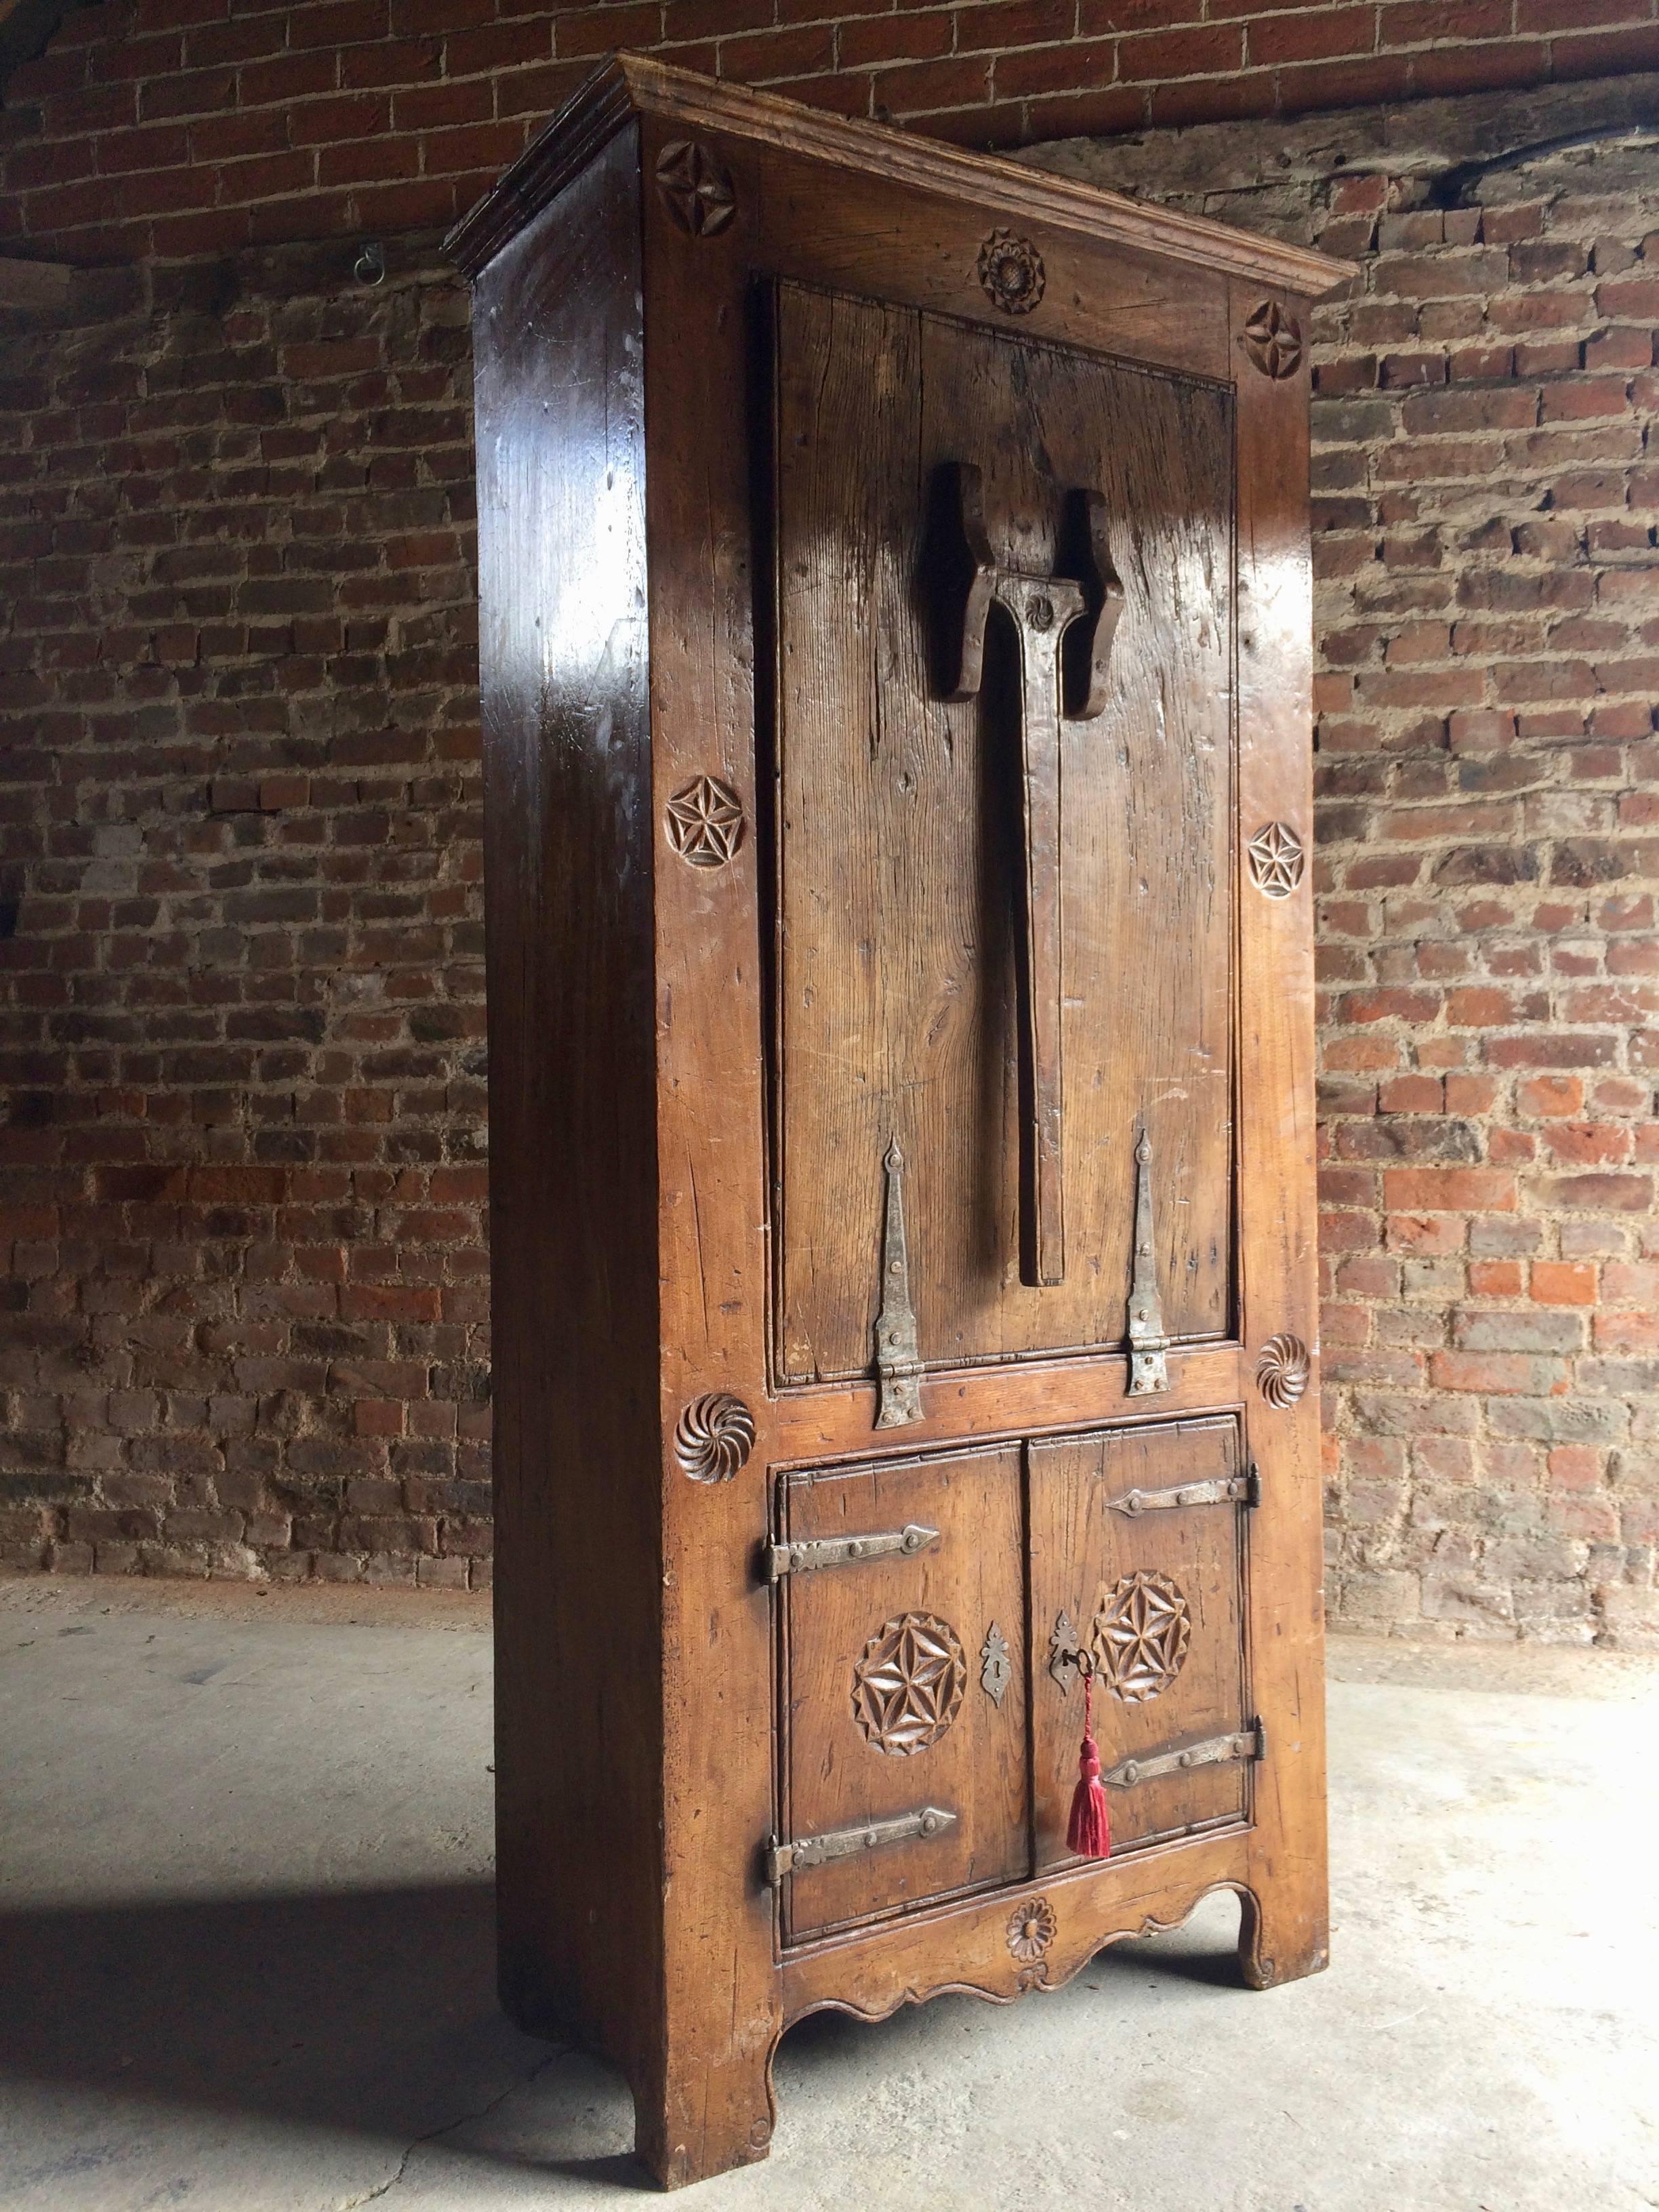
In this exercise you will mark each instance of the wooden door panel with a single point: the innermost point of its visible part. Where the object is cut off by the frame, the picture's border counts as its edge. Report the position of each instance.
(898, 856)
(886, 1708)
(1156, 1595)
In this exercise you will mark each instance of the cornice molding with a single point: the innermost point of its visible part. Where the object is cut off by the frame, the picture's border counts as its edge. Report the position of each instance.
(629, 85)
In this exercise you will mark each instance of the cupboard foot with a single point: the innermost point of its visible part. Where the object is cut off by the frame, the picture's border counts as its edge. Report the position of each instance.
(1280, 1938)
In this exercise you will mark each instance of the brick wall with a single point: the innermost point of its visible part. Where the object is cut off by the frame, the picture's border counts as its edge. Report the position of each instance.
(1487, 476)
(243, 1016)
(240, 1006)
(183, 127)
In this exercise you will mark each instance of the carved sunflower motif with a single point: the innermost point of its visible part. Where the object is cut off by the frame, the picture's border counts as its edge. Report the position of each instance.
(713, 1437)
(1276, 860)
(695, 188)
(1141, 1630)
(1272, 339)
(1032, 1928)
(704, 821)
(907, 1686)
(1282, 1371)
(1010, 270)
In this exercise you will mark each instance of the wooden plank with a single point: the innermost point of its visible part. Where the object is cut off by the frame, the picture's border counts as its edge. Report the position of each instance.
(1287, 1931)
(897, 868)
(572, 1088)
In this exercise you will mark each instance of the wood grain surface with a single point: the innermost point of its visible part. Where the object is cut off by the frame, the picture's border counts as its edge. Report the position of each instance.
(715, 560)
(899, 846)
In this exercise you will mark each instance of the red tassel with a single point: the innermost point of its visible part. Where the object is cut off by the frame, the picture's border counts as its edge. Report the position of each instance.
(1089, 1831)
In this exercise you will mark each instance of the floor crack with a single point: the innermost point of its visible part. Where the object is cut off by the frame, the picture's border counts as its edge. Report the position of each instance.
(436, 2135)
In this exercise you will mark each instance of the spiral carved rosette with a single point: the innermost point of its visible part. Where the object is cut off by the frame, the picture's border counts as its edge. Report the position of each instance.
(713, 1437)
(1281, 1373)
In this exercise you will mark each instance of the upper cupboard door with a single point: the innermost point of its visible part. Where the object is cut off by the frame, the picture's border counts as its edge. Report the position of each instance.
(1004, 918)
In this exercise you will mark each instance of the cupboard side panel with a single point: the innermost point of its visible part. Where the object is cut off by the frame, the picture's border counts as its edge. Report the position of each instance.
(573, 1184)
(1279, 1220)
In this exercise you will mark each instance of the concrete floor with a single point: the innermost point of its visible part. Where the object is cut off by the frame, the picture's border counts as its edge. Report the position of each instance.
(246, 1957)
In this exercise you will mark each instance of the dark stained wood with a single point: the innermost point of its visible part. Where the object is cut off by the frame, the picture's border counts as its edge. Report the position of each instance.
(757, 891)
(900, 865)
(924, 167)
(569, 833)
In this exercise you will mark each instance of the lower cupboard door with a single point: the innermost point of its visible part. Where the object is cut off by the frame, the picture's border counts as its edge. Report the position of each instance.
(1151, 1586)
(904, 1687)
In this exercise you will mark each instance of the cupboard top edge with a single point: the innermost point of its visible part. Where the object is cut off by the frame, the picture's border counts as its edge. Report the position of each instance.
(629, 85)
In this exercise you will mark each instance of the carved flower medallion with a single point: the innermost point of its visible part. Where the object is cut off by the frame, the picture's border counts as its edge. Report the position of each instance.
(1276, 860)
(695, 188)
(1032, 1928)
(1010, 270)
(704, 821)
(1272, 339)
(907, 1686)
(1141, 1630)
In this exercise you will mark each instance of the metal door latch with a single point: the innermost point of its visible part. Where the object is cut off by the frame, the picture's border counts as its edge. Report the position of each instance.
(1233, 1489)
(846, 1843)
(1214, 1751)
(813, 1553)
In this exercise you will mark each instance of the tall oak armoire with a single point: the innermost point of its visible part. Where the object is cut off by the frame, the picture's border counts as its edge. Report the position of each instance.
(896, 659)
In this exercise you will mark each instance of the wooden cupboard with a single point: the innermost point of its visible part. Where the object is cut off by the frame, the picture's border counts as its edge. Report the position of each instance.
(896, 660)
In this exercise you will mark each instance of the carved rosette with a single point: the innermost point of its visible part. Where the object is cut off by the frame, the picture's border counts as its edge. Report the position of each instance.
(695, 188)
(1276, 860)
(1272, 339)
(1281, 1373)
(704, 821)
(1010, 270)
(713, 1437)
(907, 1686)
(1032, 1928)
(1142, 1628)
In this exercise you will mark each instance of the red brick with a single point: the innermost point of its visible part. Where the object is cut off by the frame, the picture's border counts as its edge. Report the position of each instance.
(1482, 1190)
(1209, 51)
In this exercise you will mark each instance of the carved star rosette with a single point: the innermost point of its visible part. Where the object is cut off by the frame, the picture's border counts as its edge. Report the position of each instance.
(907, 1686)
(1272, 339)
(1139, 1641)
(695, 188)
(704, 821)
(1276, 860)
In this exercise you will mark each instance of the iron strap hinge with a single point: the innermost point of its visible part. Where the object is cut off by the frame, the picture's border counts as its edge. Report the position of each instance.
(847, 1843)
(1234, 1489)
(1214, 1751)
(807, 1557)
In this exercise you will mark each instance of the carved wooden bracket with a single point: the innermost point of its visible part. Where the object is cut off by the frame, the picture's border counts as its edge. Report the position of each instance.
(1041, 609)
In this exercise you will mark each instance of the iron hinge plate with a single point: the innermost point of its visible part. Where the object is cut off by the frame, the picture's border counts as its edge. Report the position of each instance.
(1233, 1489)
(812, 1554)
(805, 1851)
(1249, 1743)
